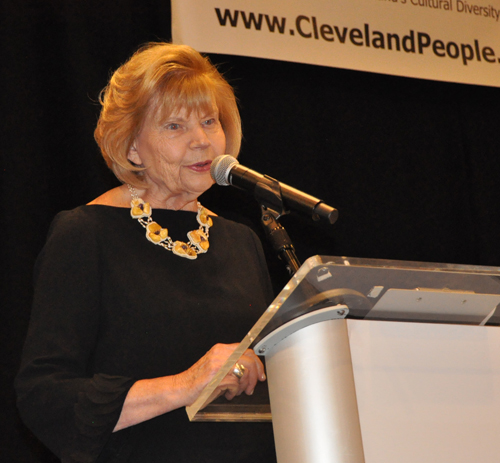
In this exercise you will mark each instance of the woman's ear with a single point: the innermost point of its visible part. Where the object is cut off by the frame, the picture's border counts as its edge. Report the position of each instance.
(133, 156)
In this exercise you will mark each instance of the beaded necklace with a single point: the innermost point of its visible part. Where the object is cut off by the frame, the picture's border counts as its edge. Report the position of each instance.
(198, 239)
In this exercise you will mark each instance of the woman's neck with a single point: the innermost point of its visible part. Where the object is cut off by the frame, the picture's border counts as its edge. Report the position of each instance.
(120, 197)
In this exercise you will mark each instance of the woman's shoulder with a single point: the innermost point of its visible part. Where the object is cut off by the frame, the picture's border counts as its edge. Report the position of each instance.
(81, 232)
(94, 211)
(232, 231)
(229, 223)
(87, 220)
(116, 197)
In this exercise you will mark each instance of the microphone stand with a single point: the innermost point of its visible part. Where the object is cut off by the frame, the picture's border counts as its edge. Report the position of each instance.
(268, 195)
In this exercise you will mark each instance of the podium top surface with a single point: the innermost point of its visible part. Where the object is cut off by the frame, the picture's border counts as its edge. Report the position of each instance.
(390, 290)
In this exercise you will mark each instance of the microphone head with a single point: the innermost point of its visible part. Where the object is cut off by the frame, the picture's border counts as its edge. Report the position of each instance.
(221, 167)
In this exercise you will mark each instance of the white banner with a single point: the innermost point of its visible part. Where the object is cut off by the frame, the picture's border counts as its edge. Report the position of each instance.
(449, 40)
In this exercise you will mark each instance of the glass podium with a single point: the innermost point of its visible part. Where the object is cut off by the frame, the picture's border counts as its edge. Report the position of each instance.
(305, 337)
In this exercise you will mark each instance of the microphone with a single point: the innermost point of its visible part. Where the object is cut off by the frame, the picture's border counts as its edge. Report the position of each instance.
(226, 170)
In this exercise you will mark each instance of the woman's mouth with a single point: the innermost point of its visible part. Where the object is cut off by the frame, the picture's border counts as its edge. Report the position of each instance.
(203, 166)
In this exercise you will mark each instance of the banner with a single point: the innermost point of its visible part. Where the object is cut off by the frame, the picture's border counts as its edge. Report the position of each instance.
(448, 40)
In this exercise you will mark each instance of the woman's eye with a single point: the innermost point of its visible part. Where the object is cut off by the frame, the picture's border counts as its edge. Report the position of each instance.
(211, 121)
(173, 126)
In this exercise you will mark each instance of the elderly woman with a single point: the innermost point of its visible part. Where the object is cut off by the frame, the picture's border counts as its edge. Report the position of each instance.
(140, 293)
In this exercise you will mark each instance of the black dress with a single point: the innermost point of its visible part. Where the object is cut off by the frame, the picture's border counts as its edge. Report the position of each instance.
(111, 308)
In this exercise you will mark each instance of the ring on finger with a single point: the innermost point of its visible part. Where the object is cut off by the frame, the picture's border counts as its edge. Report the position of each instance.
(239, 370)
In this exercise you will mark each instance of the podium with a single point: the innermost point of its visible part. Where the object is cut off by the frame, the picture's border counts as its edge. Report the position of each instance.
(376, 361)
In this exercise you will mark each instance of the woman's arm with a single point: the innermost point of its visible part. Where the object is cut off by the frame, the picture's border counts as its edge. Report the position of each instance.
(149, 398)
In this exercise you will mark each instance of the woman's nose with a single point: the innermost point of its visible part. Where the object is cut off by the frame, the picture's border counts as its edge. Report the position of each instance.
(200, 139)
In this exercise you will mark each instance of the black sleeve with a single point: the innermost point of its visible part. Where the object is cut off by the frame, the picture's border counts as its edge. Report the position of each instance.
(70, 408)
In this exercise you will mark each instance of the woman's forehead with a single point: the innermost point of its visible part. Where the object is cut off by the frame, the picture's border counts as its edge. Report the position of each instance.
(184, 111)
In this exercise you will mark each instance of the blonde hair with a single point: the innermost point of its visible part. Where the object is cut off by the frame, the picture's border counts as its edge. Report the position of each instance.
(162, 78)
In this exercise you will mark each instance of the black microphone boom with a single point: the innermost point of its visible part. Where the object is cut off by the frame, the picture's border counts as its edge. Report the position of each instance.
(226, 170)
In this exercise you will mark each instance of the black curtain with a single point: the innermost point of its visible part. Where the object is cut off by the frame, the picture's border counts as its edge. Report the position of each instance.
(412, 165)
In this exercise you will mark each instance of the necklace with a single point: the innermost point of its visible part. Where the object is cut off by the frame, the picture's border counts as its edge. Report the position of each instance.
(198, 239)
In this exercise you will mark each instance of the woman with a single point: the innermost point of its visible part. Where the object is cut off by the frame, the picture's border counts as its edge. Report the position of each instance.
(130, 319)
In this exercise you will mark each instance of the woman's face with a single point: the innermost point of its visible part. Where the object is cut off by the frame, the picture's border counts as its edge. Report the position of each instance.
(177, 153)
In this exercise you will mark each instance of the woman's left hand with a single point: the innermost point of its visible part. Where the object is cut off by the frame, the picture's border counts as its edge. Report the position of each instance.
(243, 377)
(202, 372)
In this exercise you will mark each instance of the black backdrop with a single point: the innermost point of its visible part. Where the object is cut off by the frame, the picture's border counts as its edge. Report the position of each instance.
(411, 165)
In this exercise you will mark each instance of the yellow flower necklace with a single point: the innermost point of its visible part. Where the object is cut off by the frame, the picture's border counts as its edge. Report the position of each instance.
(198, 239)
